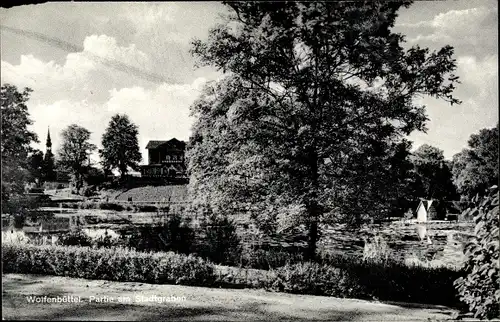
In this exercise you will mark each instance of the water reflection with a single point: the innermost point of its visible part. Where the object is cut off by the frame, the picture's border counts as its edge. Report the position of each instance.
(423, 233)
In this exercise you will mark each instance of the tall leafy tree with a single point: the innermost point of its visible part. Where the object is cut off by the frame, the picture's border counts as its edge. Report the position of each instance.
(74, 153)
(120, 145)
(16, 146)
(476, 168)
(316, 94)
(433, 174)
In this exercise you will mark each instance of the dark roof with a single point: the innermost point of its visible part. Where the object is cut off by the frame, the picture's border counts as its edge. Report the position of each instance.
(156, 144)
(425, 203)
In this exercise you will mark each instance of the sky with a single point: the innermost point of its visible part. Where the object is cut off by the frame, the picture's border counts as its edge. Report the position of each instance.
(89, 61)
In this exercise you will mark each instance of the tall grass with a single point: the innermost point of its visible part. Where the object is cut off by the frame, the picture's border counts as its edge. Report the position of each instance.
(377, 250)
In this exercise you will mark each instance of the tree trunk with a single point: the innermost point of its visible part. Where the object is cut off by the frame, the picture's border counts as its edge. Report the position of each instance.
(123, 171)
(313, 231)
(313, 212)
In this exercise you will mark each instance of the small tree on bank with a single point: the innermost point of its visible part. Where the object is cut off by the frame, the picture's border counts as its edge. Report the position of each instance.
(316, 96)
(75, 151)
(120, 145)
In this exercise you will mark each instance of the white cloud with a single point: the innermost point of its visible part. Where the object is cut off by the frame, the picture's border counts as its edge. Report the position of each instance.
(473, 27)
(84, 75)
(451, 126)
(481, 74)
(87, 91)
(107, 47)
(160, 113)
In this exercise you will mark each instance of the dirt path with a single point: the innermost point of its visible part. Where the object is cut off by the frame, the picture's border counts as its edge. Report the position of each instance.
(188, 303)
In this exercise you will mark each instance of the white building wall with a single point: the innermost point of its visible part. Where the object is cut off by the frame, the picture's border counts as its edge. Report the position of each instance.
(421, 213)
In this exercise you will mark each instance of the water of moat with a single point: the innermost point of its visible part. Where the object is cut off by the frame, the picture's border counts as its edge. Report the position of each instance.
(403, 238)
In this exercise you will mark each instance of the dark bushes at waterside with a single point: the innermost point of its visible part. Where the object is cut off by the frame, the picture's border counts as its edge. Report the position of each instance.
(115, 264)
(387, 281)
(173, 235)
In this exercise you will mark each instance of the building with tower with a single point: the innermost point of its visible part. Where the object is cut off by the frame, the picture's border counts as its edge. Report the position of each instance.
(53, 177)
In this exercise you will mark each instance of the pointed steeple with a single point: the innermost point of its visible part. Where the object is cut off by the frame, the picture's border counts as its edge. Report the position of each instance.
(48, 143)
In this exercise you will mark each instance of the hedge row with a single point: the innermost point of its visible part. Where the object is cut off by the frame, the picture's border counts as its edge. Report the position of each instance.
(115, 264)
(389, 281)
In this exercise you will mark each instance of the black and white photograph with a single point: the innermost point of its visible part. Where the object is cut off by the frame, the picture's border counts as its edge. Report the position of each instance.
(250, 161)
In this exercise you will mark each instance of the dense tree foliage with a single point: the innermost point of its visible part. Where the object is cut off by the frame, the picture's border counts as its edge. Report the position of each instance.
(120, 145)
(479, 287)
(432, 174)
(16, 141)
(476, 168)
(74, 154)
(317, 97)
(36, 167)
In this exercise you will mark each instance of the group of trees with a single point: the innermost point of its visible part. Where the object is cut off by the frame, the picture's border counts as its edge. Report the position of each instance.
(21, 164)
(120, 149)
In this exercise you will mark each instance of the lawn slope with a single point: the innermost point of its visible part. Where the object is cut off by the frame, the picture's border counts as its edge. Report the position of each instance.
(200, 303)
(172, 193)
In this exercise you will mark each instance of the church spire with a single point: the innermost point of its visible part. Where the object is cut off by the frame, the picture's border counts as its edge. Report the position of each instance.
(48, 144)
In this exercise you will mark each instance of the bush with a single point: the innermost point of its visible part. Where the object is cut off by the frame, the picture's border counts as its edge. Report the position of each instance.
(480, 288)
(86, 205)
(111, 206)
(268, 258)
(89, 191)
(377, 250)
(146, 208)
(316, 279)
(115, 264)
(107, 240)
(221, 243)
(395, 281)
(75, 238)
(174, 235)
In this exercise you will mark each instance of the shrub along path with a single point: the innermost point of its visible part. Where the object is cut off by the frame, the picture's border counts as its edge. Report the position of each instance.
(200, 303)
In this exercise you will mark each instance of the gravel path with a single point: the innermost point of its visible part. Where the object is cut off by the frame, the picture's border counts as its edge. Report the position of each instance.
(104, 300)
